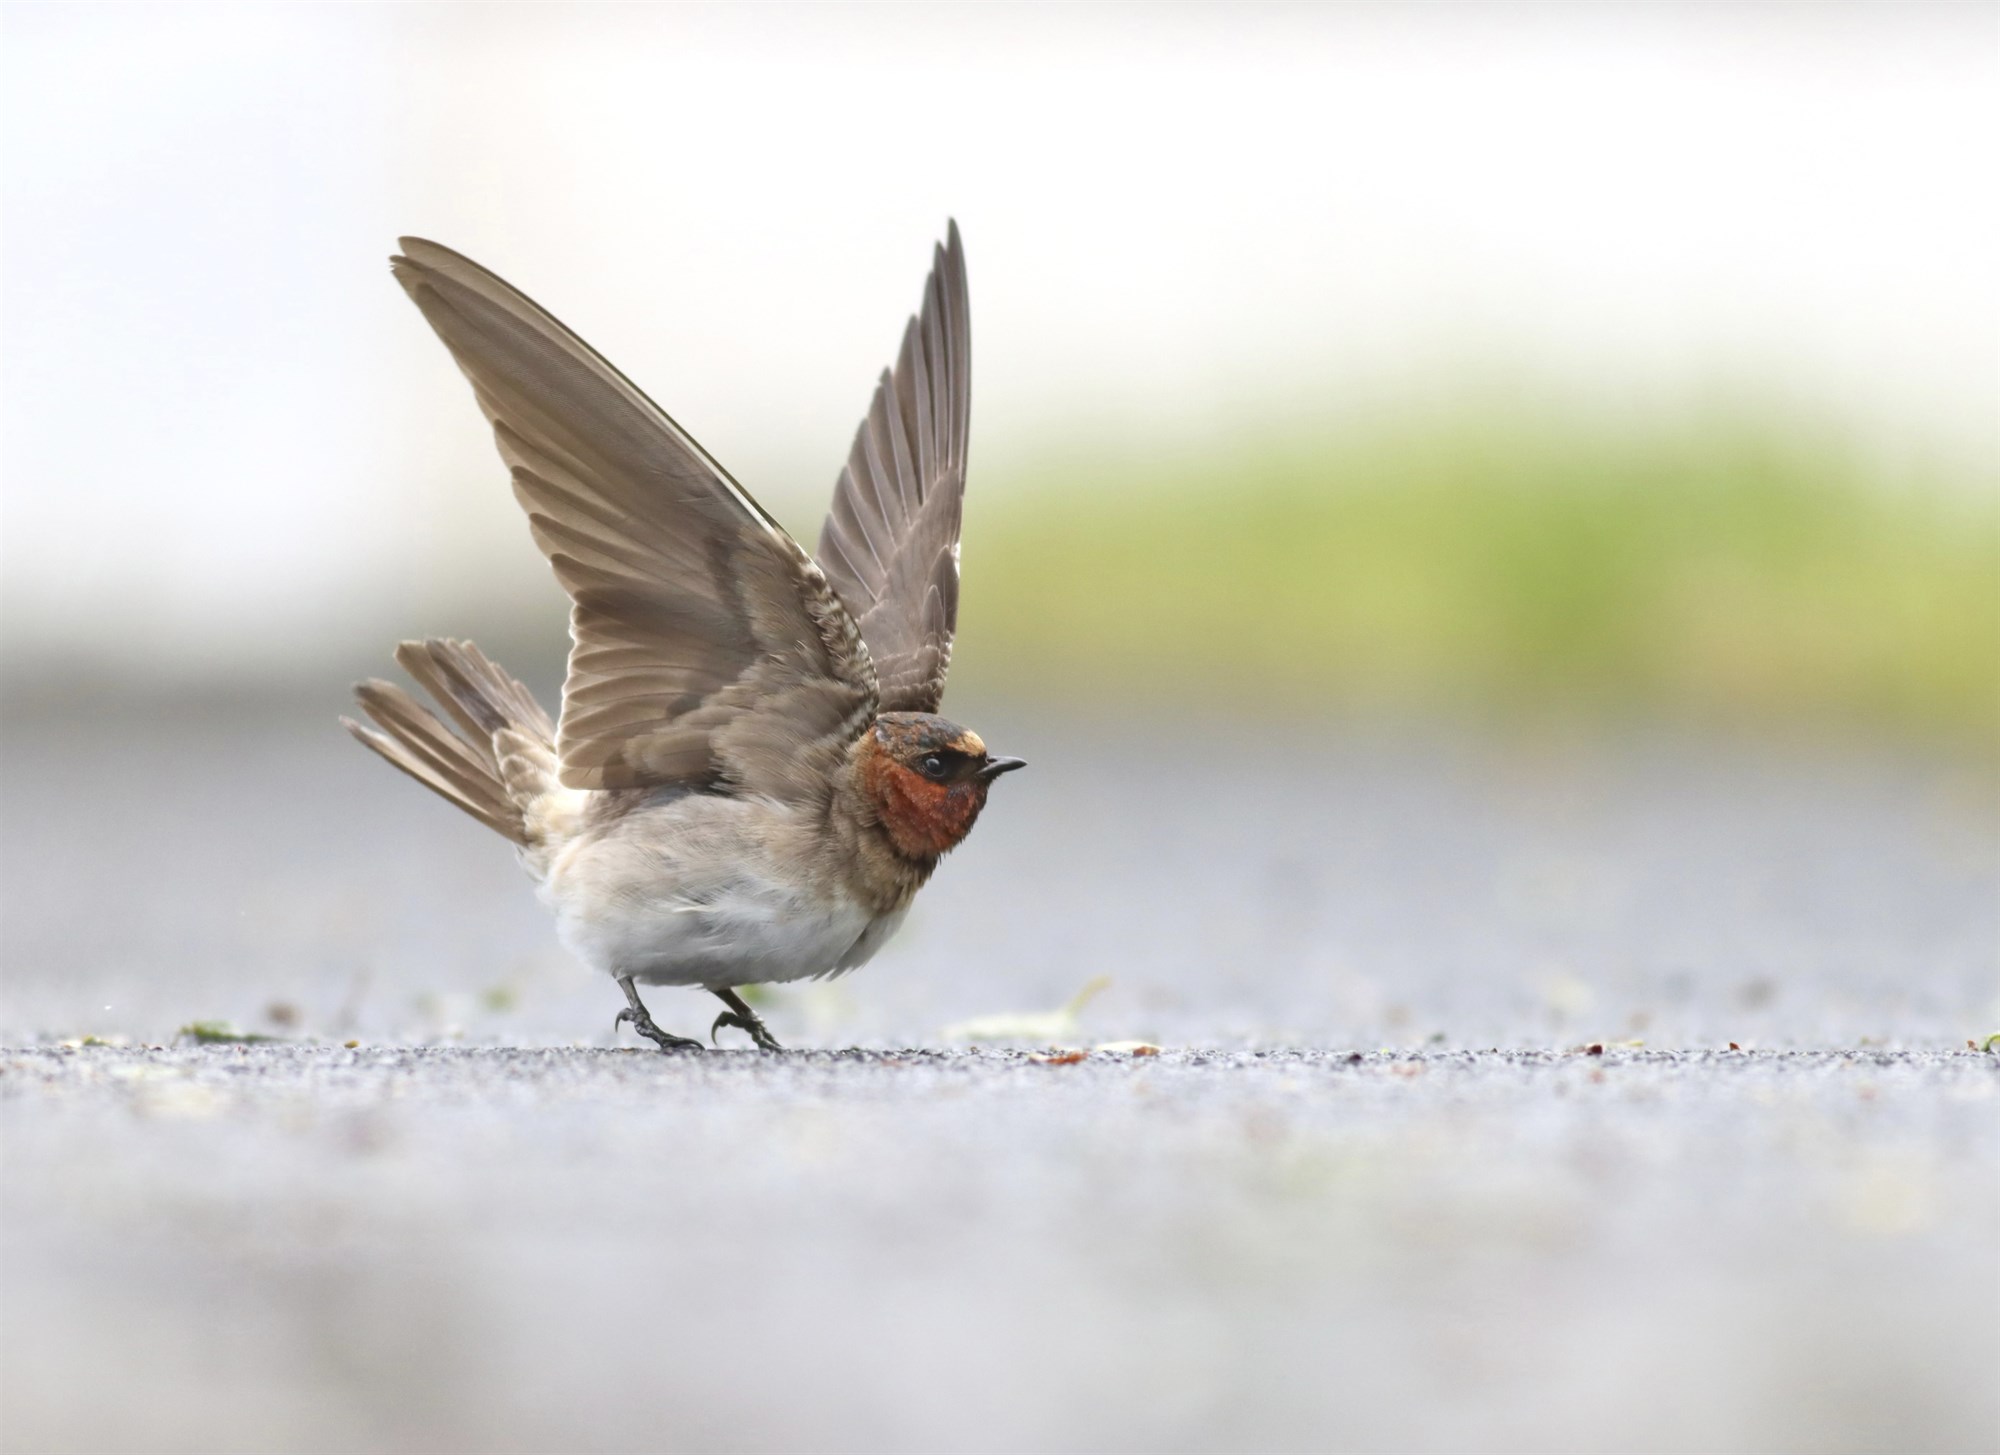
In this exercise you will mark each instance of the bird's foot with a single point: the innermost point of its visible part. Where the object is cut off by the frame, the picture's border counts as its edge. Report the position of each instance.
(743, 1018)
(636, 1017)
(747, 1021)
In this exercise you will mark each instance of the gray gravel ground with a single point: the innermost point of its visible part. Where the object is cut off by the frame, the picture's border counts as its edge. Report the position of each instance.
(439, 1249)
(471, 1232)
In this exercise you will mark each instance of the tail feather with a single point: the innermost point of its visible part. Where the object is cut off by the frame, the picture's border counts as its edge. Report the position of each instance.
(417, 733)
(469, 685)
(493, 714)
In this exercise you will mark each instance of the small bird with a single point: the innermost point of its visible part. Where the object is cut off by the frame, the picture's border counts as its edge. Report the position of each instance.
(750, 780)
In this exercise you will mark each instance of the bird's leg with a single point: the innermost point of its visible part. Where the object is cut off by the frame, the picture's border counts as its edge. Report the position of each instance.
(743, 1018)
(635, 1014)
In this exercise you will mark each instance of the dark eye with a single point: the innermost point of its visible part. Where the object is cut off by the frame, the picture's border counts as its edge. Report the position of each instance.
(931, 765)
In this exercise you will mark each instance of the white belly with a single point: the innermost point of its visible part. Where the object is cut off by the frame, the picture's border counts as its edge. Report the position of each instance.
(749, 931)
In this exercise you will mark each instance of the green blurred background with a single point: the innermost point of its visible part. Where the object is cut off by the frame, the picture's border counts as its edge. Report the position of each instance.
(1513, 561)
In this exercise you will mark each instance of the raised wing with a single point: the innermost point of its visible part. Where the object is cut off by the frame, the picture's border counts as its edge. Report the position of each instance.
(707, 646)
(890, 544)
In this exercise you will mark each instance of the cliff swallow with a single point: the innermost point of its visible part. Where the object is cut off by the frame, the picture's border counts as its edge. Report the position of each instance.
(749, 781)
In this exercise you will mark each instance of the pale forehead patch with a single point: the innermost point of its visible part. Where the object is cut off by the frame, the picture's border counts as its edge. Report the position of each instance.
(972, 743)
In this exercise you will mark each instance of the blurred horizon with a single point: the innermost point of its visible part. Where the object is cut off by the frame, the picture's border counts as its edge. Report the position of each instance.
(1470, 360)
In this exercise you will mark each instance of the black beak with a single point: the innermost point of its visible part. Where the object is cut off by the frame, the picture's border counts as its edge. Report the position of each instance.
(994, 767)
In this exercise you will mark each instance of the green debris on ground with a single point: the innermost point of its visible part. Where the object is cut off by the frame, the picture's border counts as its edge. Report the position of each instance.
(212, 1033)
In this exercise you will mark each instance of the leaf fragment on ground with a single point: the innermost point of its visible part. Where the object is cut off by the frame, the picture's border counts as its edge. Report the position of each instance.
(213, 1033)
(1058, 1058)
(1050, 1027)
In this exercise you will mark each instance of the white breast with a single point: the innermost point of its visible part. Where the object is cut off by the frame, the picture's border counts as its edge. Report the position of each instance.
(747, 930)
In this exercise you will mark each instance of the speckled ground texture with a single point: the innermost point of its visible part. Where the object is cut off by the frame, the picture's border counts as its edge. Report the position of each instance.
(1473, 1215)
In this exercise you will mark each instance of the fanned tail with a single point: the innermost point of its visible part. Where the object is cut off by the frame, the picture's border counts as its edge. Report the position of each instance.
(497, 764)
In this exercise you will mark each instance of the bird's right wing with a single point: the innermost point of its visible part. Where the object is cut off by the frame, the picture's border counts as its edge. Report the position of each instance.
(707, 645)
(890, 544)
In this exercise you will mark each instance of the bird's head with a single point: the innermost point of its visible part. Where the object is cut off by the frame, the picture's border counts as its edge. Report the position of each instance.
(926, 779)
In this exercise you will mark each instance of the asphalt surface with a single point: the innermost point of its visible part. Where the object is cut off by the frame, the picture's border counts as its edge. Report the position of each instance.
(1472, 1215)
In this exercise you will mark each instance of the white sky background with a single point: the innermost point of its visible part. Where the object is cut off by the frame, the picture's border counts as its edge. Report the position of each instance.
(226, 432)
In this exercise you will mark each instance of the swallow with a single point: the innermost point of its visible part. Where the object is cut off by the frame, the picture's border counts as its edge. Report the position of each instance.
(749, 780)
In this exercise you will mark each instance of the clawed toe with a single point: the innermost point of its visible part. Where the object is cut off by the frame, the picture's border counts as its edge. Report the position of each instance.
(643, 1024)
(753, 1027)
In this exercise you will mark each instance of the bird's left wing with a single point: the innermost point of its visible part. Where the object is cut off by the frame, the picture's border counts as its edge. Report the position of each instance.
(707, 648)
